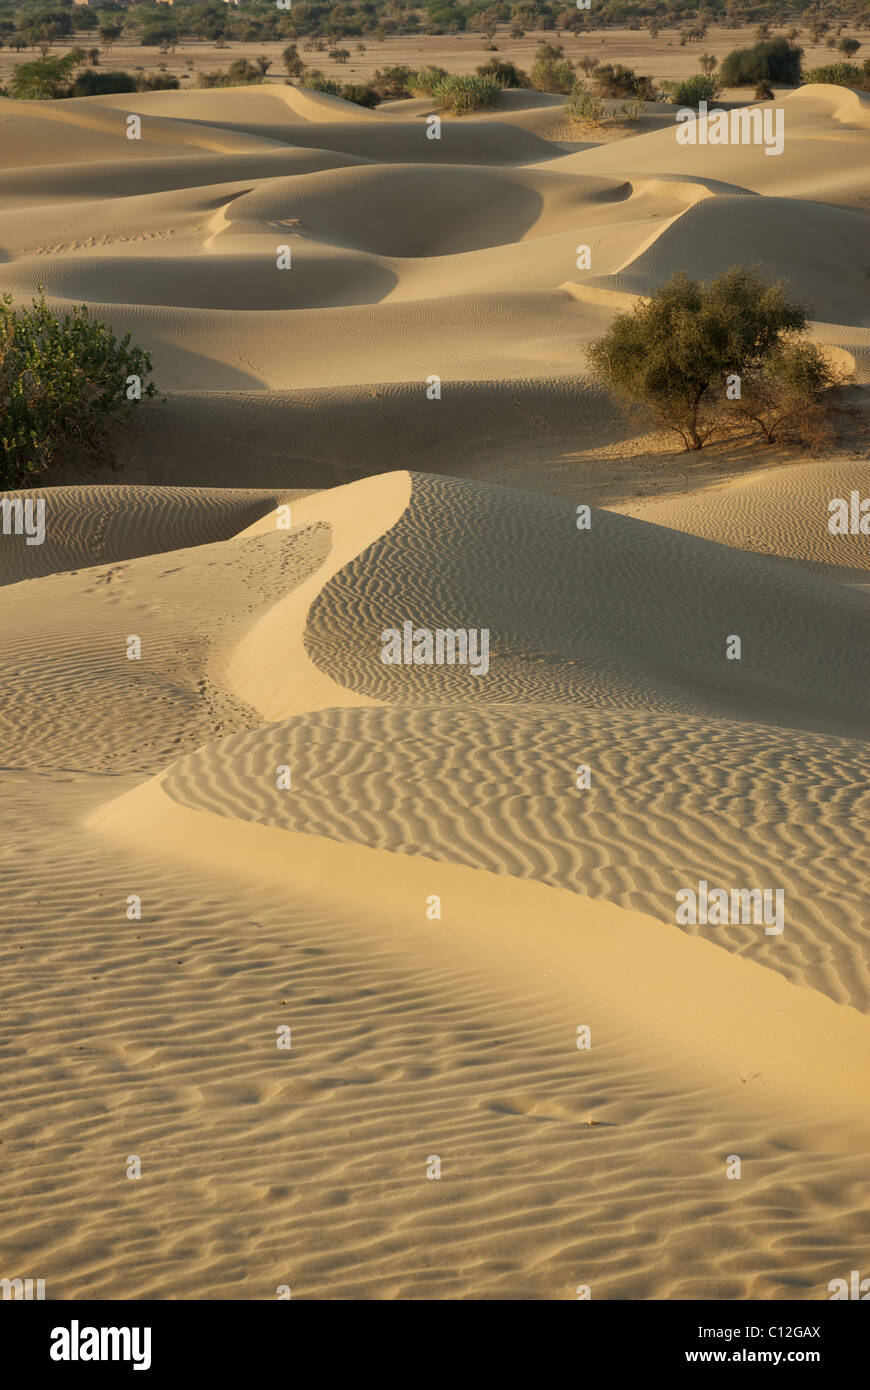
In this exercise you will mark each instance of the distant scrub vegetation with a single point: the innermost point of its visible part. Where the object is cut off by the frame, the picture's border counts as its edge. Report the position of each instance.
(325, 26)
(29, 23)
(772, 60)
(50, 79)
(841, 75)
(240, 73)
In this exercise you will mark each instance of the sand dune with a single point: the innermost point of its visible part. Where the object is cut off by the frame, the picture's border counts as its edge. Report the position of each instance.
(557, 904)
(209, 618)
(410, 257)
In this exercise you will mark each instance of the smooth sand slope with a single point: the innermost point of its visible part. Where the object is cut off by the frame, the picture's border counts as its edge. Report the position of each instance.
(410, 258)
(415, 1036)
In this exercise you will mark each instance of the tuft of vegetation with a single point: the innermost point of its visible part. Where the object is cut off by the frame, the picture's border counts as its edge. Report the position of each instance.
(45, 79)
(841, 75)
(584, 108)
(461, 95)
(97, 84)
(774, 60)
(63, 378)
(292, 62)
(551, 71)
(672, 354)
(359, 94)
(316, 81)
(422, 82)
(393, 83)
(506, 74)
(693, 90)
(156, 82)
(240, 73)
(614, 80)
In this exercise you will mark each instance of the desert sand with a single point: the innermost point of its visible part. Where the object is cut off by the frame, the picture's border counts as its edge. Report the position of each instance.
(171, 903)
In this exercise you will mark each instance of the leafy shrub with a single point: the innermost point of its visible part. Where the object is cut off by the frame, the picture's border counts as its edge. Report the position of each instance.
(551, 71)
(764, 92)
(62, 379)
(792, 395)
(45, 79)
(157, 82)
(693, 90)
(630, 110)
(614, 80)
(96, 84)
(775, 60)
(393, 83)
(584, 107)
(840, 75)
(672, 353)
(292, 62)
(316, 81)
(461, 95)
(240, 73)
(506, 74)
(359, 94)
(422, 82)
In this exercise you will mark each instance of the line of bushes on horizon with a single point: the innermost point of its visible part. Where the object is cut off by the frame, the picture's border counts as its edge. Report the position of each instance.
(51, 79)
(29, 23)
(771, 60)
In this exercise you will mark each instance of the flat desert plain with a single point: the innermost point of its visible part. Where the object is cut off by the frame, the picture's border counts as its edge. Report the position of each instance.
(368, 979)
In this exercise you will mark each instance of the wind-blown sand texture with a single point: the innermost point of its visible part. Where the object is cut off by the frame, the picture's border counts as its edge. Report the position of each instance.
(259, 591)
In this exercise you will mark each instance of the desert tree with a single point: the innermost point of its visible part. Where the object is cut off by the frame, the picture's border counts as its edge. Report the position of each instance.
(673, 354)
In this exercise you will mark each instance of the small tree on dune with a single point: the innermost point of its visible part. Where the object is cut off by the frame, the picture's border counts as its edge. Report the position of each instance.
(678, 353)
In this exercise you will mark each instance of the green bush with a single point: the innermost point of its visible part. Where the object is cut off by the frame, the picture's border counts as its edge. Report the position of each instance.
(584, 108)
(775, 60)
(292, 62)
(460, 95)
(792, 396)
(96, 84)
(693, 90)
(316, 81)
(157, 82)
(840, 75)
(551, 71)
(62, 379)
(393, 83)
(240, 73)
(422, 82)
(506, 74)
(359, 94)
(672, 353)
(764, 92)
(45, 79)
(614, 80)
